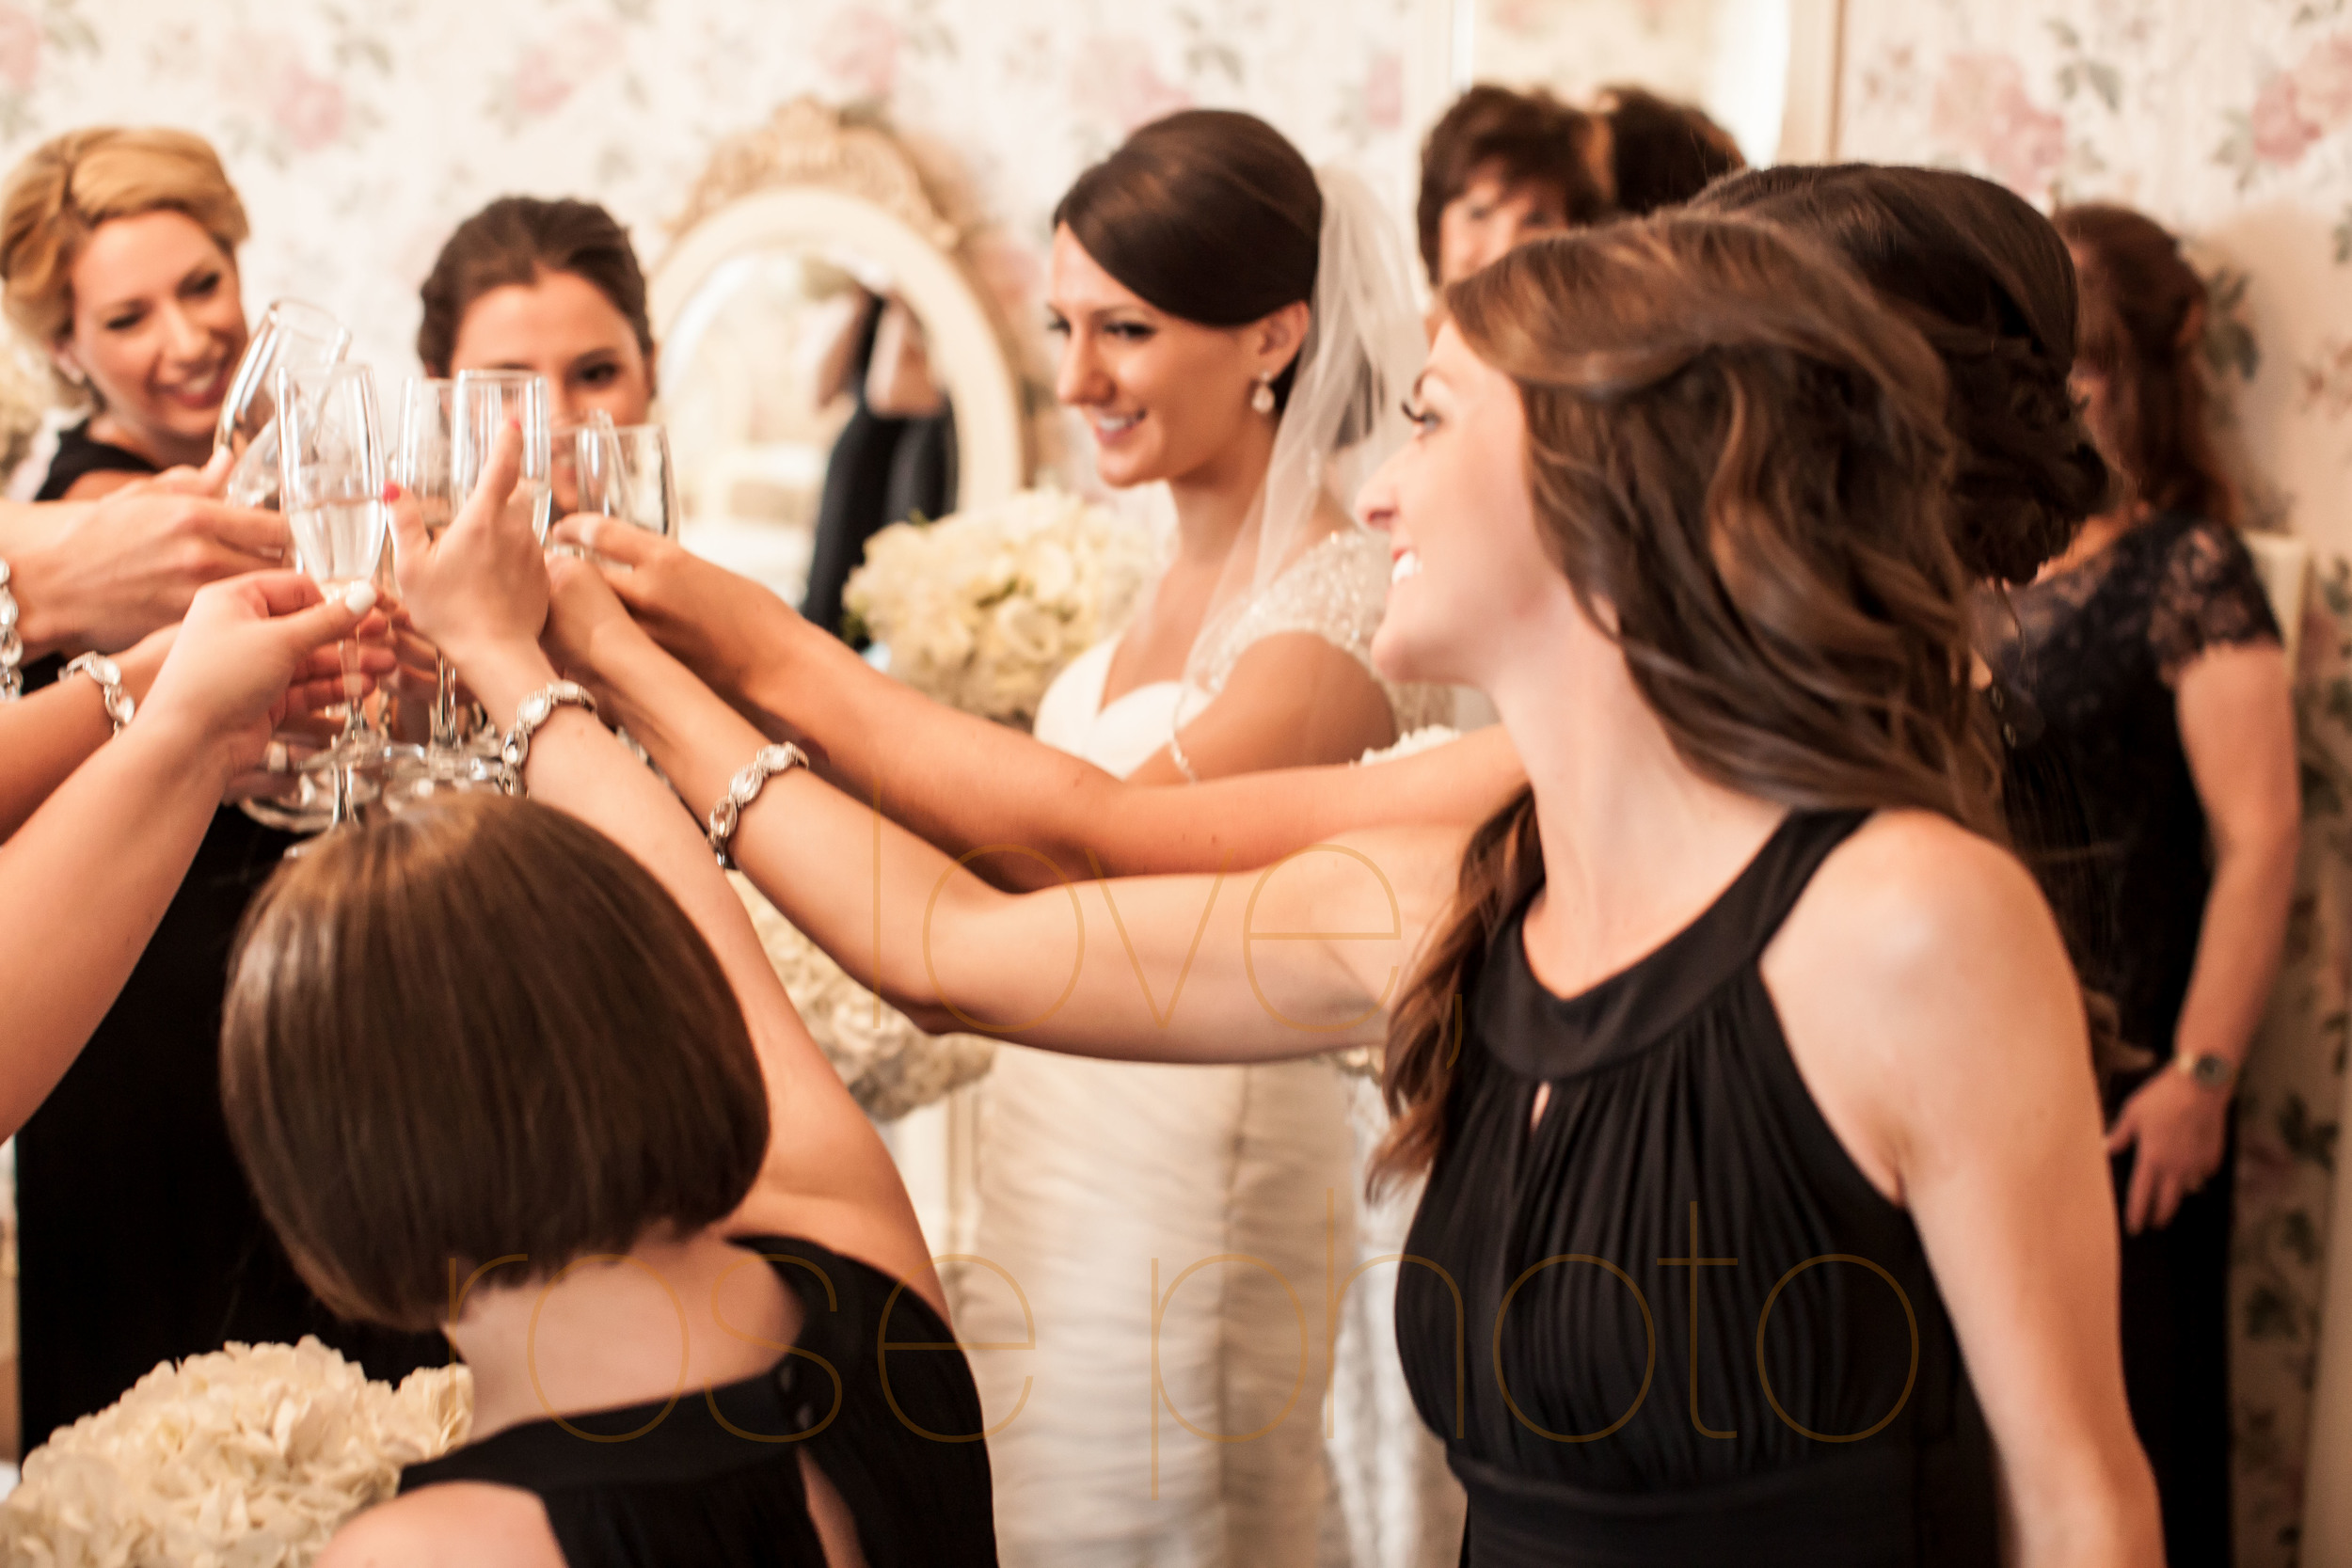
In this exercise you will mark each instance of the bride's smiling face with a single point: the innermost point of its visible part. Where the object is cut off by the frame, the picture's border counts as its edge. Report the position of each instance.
(1167, 398)
(1470, 580)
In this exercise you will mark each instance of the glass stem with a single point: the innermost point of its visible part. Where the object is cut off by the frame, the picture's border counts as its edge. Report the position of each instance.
(445, 736)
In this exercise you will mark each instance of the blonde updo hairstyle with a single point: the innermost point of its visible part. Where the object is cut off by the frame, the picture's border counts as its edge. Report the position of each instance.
(69, 185)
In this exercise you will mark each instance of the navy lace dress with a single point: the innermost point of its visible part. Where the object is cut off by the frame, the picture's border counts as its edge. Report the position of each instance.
(2095, 652)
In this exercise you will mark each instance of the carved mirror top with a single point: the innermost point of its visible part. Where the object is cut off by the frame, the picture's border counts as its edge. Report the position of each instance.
(806, 143)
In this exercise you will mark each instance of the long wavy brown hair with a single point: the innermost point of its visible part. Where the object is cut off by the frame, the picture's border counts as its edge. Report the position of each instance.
(2143, 330)
(1739, 460)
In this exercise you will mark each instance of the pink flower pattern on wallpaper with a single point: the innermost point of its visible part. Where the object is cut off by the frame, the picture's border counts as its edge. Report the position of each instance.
(20, 47)
(859, 51)
(2298, 105)
(309, 108)
(549, 71)
(1384, 91)
(1115, 84)
(1982, 107)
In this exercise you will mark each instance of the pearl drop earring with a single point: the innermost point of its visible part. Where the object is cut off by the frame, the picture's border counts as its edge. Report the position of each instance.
(1263, 398)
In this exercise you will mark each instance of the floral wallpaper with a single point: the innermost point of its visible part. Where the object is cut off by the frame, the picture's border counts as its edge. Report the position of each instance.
(2233, 131)
(359, 135)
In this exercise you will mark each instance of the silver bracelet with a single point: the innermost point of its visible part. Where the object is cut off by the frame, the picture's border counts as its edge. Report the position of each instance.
(743, 789)
(534, 711)
(12, 644)
(108, 674)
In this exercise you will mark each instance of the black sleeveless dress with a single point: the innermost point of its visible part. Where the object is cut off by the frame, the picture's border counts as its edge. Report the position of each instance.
(874, 1389)
(138, 1239)
(1795, 1396)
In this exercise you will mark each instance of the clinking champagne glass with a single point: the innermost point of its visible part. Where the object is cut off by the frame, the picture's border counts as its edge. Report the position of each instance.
(290, 336)
(331, 489)
(420, 466)
(626, 472)
(483, 404)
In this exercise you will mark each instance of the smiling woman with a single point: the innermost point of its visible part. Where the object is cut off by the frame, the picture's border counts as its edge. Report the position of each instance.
(546, 286)
(118, 251)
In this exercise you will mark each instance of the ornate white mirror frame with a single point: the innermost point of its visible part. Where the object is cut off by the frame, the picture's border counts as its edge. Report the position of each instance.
(806, 180)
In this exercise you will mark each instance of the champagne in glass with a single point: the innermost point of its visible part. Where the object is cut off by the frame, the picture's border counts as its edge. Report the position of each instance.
(420, 466)
(331, 488)
(483, 402)
(290, 336)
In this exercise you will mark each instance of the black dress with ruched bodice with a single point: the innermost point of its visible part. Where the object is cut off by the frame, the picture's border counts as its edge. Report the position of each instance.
(1690, 1331)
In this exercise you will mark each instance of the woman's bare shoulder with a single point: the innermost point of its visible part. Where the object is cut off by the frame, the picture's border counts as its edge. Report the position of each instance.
(1925, 995)
(456, 1525)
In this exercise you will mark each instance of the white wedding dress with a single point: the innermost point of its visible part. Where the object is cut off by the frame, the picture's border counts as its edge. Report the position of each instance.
(1171, 1229)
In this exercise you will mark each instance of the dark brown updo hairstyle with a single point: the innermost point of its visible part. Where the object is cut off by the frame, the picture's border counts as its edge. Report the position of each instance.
(1987, 280)
(1524, 138)
(2143, 328)
(474, 1033)
(1209, 215)
(1740, 453)
(1662, 153)
(512, 242)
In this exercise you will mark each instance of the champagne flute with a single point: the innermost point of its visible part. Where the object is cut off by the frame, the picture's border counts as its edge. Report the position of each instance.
(483, 402)
(331, 488)
(626, 472)
(290, 336)
(422, 466)
(584, 468)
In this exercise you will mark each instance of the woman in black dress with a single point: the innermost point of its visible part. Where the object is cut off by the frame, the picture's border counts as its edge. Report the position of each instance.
(2152, 658)
(495, 1071)
(138, 1239)
(1767, 1219)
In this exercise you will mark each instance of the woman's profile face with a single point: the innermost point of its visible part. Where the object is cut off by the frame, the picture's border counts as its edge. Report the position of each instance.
(157, 328)
(562, 326)
(1489, 218)
(1469, 578)
(1165, 397)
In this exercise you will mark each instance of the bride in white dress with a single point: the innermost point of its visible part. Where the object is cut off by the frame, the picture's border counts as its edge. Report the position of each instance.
(1240, 331)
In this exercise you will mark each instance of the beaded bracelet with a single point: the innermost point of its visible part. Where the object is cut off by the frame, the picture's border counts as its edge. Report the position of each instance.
(534, 711)
(743, 789)
(12, 644)
(108, 674)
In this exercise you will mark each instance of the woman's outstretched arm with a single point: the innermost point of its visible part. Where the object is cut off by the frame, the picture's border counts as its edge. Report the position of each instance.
(480, 592)
(1301, 958)
(960, 782)
(120, 831)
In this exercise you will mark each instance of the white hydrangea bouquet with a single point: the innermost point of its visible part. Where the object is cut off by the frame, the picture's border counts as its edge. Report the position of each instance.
(250, 1457)
(981, 610)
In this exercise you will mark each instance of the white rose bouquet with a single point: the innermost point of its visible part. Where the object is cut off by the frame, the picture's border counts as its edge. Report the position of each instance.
(981, 610)
(250, 1457)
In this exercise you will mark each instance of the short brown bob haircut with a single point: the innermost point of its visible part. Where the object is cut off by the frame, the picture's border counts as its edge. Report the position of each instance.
(1527, 138)
(475, 1030)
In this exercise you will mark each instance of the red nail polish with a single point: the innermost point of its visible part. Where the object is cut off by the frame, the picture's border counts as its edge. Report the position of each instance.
(392, 490)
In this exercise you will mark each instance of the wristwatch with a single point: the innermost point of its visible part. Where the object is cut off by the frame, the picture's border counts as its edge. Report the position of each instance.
(2206, 1070)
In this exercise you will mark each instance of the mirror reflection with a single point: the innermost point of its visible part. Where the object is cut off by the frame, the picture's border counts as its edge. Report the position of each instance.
(806, 414)
(1730, 57)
